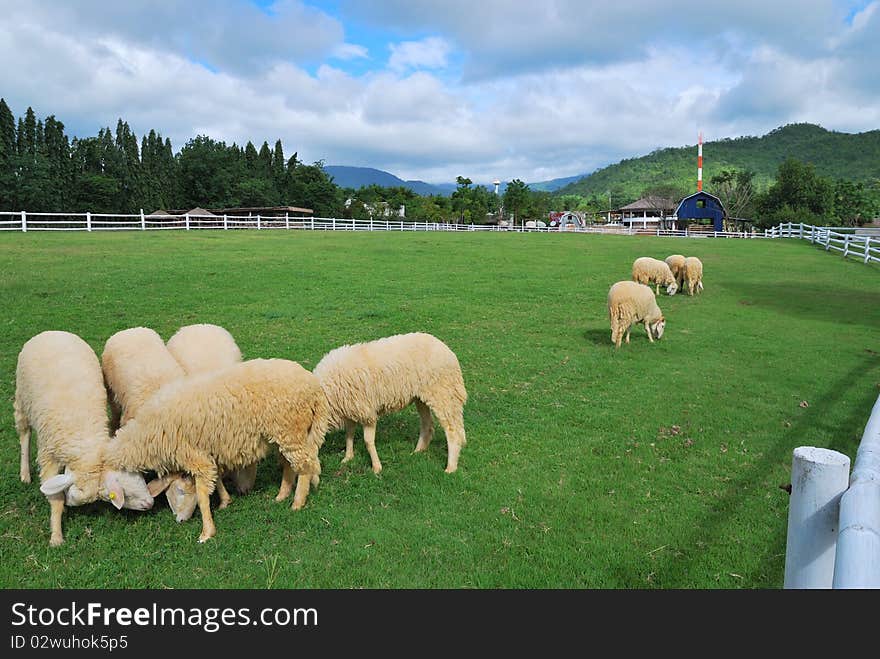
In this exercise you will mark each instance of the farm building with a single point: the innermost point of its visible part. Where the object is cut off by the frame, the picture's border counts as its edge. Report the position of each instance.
(647, 212)
(702, 206)
(567, 220)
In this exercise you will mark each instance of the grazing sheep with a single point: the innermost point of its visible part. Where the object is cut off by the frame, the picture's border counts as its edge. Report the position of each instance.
(676, 264)
(630, 302)
(647, 270)
(204, 424)
(366, 380)
(59, 393)
(693, 274)
(136, 364)
(202, 348)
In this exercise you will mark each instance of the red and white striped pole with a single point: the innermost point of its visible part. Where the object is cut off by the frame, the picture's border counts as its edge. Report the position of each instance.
(700, 163)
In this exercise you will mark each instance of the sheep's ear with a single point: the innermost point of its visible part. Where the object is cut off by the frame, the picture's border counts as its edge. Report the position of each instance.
(115, 493)
(157, 486)
(56, 484)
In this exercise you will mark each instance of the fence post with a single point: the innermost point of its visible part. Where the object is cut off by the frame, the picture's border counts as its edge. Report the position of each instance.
(225, 222)
(186, 218)
(258, 222)
(88, 220)
(287, 220)
(857, 560)
(867, 248)
(846, 246)
(818, 479)
(24, 222)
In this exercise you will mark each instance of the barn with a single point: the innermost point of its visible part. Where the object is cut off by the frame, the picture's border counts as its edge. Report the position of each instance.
(702, 206)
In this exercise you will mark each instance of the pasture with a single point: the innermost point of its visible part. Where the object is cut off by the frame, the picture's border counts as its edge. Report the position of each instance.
(654, 466)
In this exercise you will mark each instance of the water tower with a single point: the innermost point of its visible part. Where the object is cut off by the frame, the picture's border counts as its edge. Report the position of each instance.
(496, 183)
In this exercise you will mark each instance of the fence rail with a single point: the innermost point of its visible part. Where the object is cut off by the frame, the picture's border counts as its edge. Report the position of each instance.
(864, 248)
(851, 245)
(25, 221)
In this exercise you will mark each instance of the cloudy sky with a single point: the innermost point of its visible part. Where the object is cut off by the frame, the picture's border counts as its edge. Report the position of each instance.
(430, 90)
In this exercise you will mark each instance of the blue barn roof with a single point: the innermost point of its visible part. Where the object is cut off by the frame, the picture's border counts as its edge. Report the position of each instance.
(702, 206)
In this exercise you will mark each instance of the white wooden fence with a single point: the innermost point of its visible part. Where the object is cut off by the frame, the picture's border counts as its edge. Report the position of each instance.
(863, 248)
(834, 516)
(25, 221)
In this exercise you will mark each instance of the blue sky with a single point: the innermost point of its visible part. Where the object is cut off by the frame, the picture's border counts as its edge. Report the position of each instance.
(435, 89)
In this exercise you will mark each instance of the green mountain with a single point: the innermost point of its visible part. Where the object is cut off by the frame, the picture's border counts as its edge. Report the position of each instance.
(851, 156)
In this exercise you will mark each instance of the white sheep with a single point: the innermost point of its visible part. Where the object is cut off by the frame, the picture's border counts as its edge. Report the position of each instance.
(676, 264)
(693, 274)
(630, 302)
(136, 363)
(366, 380)
(59, 393)
(648, 270)
(222, 420)
(204, 347)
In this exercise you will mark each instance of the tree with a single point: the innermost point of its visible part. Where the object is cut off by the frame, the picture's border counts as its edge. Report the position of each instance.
(736, 190)
(516, 196)
(798, 195)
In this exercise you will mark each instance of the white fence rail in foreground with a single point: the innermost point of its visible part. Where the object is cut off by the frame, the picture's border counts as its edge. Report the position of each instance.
(834, 517)
(863, 248)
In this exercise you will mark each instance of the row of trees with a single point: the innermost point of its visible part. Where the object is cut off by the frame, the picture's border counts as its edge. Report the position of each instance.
(114, 172)
(41, 169)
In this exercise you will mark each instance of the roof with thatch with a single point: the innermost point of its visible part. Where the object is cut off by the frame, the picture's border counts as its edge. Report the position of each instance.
(266, 210)
(650, 203)
(159, 213)
(198, 210)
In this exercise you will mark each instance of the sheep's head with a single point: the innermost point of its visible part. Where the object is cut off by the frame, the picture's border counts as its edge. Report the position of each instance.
(122, 489)
(657, 327)
(180, 491)
(672, 288)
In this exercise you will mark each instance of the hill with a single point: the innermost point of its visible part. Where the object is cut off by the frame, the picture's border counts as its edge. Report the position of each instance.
(357, 177)
(854, 156)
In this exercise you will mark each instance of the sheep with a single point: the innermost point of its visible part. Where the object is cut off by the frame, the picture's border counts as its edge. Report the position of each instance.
(59, 393)
(201, 348)
(366, 380)
(136, 364)
(676, 264)
(226, 419)
(630, 302)
(693, 274)
(647, 270)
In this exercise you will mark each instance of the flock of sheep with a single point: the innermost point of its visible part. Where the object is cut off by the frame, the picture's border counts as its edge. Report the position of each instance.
(193, 412)
(632, 302)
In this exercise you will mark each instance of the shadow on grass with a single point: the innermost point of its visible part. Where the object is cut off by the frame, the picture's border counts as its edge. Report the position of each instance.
(827, 302)
(845, 439)
(599, 337)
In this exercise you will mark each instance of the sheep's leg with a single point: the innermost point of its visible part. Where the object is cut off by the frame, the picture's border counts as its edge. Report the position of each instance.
(206, 478)
(629, 327)
(370, 441)
(56, 504)
(349, 440)
(225, 499)
(426, 426)
(286, 481)
(648, 330)
(24, 439)
(451, 417)
(302, 491)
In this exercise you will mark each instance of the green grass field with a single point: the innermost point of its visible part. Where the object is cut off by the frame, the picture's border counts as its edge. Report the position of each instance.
(655, 466)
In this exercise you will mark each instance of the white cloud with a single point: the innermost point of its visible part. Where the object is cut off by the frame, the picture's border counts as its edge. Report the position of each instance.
(430, 53)
(348, 51)
(558, 93)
